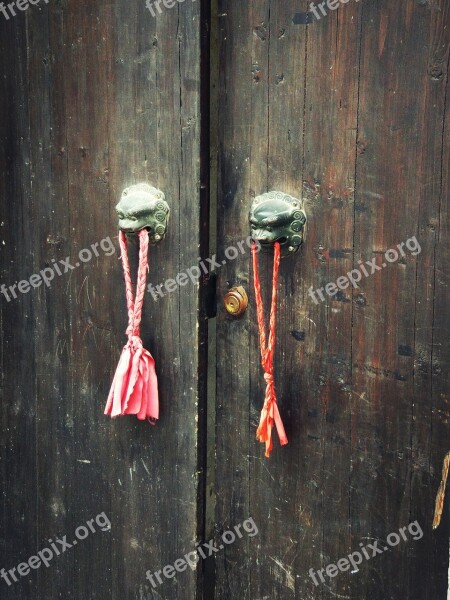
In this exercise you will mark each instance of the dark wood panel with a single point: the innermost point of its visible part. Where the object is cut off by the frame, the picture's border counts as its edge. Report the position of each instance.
(331, 121)
(113, 100)
(19, 478)
(349, 112)
(399, 188)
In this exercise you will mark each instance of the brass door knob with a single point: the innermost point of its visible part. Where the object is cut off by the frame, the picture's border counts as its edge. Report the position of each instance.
(236, 301)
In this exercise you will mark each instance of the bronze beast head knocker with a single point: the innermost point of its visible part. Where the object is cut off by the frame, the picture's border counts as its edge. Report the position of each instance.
(278, 217)
(143, 207)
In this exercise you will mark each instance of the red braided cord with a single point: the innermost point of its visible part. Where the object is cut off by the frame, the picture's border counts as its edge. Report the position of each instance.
(127, 276)
(270, 414)
(259, 305)
(141, 281)
(134, 305)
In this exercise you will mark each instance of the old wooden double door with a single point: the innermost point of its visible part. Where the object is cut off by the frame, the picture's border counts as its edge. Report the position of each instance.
(347, 107)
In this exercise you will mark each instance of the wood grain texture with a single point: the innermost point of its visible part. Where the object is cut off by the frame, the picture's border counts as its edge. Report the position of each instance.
(350, 111)
(19, 478)
(97, 96)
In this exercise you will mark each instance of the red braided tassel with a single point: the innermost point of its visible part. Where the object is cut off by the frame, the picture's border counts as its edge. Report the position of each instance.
(270, 414)
(134, 390)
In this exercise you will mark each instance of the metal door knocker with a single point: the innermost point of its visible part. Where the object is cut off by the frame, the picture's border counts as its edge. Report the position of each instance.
(278, 217)
(142, 206)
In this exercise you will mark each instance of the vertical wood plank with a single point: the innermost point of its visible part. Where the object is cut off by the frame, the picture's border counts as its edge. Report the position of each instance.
(331, 121)
(18, 411)
(436, 224)
(242, 57)
(399, 186)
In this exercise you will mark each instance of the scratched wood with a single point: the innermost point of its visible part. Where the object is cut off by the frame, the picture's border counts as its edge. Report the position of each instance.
(97, 96)
(350, 111)
(19, 478)
(403, 359)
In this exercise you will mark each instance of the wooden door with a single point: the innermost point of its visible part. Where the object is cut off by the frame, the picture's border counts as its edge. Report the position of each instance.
(96, 96)
(351, 113)
(346, 108)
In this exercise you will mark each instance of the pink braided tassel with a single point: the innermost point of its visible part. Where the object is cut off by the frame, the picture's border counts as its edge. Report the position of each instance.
(134, 390)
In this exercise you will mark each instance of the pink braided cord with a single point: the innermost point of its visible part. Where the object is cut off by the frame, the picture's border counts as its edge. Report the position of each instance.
(134, 304)
(134, 390)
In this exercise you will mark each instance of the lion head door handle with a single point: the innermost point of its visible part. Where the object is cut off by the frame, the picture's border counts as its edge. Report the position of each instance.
(141, 207)
(278, 217)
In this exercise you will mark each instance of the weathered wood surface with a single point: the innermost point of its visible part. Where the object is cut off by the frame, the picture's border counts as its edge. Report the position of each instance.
(96, 96)
(352, 112)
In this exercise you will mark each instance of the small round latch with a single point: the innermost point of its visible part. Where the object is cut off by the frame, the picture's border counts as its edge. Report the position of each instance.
(236, 301)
